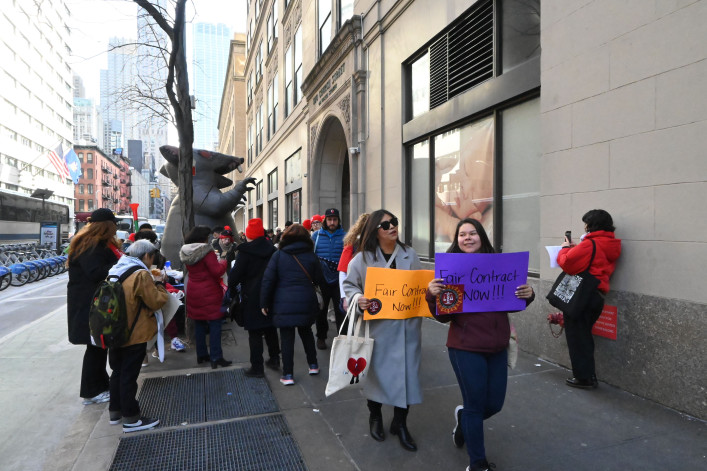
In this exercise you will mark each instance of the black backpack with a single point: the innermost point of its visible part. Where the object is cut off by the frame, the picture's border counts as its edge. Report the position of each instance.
(108, 316)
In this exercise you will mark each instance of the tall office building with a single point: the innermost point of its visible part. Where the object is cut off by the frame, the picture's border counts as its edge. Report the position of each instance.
(210, 51)
(115, 81)
(35, 96)
(88, 123)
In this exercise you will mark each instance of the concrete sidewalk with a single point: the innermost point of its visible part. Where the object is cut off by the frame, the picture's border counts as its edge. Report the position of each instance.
(544, 425)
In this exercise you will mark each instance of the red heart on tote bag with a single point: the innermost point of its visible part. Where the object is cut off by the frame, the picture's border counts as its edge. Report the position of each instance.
(356, 366)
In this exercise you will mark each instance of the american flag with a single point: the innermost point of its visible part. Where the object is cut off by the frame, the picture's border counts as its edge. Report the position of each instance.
(57, 158)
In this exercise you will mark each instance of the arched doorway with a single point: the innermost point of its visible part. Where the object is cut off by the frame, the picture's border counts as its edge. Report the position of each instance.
(330, 186)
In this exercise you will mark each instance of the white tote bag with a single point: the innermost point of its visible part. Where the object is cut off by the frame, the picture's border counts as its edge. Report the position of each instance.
(350, 354)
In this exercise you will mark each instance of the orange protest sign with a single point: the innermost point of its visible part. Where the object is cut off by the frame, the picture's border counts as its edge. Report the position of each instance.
(396, 294)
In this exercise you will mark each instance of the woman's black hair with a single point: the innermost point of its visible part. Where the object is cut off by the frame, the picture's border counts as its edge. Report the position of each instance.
(147, 235)
(486, 246)
(200, 234)
(369, 235)
(295, 233)
(598, 220)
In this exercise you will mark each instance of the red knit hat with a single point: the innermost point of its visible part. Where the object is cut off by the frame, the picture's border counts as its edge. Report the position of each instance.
(227, 233)
(254, 229)
(307, 224)
(317, 218)
(131, 237)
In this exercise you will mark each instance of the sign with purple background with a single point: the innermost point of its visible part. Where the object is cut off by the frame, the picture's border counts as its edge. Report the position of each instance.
(481, 282)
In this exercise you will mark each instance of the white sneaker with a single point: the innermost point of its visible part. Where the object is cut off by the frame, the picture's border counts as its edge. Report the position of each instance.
(102, 397)
(143, 423)
(178, 345)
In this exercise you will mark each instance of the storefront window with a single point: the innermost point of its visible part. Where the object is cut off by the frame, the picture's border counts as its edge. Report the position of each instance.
(463, 167)
(419, 199)
(521, 180)
(293, 206)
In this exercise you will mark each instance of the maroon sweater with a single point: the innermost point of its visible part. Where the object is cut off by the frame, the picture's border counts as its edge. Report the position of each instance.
(484, 332)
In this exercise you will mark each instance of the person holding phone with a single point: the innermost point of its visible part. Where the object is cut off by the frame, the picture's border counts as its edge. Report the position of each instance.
(477, 346)
(573, 259)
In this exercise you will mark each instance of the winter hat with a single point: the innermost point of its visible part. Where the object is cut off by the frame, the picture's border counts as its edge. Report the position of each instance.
(103, 214)
(131, 237)
(307, 224)
(227, 233)
(254, 229)
(317, 218)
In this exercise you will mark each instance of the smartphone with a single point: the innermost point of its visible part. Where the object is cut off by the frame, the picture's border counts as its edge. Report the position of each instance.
(568, 236)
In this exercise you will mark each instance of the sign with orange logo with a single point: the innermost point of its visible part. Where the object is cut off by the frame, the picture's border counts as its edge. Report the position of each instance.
(396, 294)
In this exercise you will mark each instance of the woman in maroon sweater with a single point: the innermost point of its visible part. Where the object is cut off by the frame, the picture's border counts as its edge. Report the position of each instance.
(476, 343)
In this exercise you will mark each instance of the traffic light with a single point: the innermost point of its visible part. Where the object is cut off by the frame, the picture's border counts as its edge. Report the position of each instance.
(154, 192)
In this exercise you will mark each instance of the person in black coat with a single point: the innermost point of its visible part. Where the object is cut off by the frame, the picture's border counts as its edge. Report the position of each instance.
(93, 251)
(287, 294)
(250, 263)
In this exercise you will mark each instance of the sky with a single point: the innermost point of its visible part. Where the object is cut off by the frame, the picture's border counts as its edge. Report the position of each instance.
(95, 21)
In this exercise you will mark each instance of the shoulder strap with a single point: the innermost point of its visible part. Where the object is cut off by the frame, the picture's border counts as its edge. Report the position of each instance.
(129, 272)
(302, 267)
(315, 243)
(392, 256)
(594, 251)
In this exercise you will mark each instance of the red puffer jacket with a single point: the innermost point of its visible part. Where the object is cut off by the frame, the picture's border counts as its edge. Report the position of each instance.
(204, 291)
(576, 259)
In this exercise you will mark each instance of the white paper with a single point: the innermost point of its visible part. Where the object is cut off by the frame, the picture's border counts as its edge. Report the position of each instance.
(164, 316)
(552, 251)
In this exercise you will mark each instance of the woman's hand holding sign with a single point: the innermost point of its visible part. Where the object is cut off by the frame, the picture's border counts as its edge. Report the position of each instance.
(435, 287)
(524, 292)
(363, 303)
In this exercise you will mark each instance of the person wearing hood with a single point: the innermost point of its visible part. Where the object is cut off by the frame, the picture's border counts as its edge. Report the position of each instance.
(246, 277)
(204, 304)
(143, 296)
(287, 294)
(91, 254)
(573, 259)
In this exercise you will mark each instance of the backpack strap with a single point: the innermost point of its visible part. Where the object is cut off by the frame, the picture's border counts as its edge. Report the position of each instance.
(121, 279)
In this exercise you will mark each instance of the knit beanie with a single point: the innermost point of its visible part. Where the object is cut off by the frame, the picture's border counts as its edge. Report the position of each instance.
(227, 233)
(317, 218)
(254, 229)
(307, 224)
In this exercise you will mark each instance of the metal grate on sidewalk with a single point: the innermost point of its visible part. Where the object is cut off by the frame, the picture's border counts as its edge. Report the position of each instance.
(261, 443)
(205, 397)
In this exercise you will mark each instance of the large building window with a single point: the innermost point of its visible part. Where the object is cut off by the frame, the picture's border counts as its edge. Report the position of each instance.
(288, 81)
(346, 9)
(293, 169)
(272, 182)
(298, 65)
(272, 107)
(272, 213)
(259, 130)
(293, 206)
(465, 54)
(259, 63)
(324, 25)
(455, 171)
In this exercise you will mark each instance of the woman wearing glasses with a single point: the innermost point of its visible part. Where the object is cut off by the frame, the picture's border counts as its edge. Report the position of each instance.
(395, 364)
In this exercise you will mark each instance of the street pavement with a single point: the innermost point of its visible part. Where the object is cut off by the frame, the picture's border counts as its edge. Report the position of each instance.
(544, 424)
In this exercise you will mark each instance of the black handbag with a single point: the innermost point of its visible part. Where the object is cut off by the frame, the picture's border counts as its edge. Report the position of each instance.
(235, 309)
(572, 294)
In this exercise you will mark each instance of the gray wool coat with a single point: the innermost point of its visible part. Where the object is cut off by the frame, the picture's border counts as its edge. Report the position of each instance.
(394, 377)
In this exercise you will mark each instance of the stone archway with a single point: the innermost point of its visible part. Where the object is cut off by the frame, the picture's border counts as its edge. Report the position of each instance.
(330, 184)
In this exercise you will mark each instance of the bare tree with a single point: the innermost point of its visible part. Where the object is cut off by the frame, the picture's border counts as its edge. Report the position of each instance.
(177, 89)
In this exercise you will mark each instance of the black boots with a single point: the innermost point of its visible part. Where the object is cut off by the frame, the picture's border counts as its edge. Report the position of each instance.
(406, 440)
(220, 362)
(582, 383)
(376, 425)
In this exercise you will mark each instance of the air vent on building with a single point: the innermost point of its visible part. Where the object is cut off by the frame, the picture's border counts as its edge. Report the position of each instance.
(463, 57)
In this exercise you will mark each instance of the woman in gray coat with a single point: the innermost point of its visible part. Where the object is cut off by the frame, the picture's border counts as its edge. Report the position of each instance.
(395, 364)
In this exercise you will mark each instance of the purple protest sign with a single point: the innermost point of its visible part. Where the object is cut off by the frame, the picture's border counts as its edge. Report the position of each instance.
(481, 282)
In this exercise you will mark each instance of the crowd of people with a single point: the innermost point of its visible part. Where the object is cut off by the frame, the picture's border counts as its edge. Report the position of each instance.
(274, 274)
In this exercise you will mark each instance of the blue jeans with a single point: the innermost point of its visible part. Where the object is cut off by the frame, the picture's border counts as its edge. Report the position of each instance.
(482, 378)
(214, 339)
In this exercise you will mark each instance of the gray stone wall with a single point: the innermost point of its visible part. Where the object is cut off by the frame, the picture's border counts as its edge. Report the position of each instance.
(659, 353)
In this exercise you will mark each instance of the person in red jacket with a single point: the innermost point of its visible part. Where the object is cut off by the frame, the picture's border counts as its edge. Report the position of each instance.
(204, 293)
(574, 259)
(477, 346)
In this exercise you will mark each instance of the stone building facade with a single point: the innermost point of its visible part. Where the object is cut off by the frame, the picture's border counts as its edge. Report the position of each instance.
(520, 116)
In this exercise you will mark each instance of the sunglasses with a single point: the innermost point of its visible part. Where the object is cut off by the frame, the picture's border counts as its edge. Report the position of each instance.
(385, 225)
